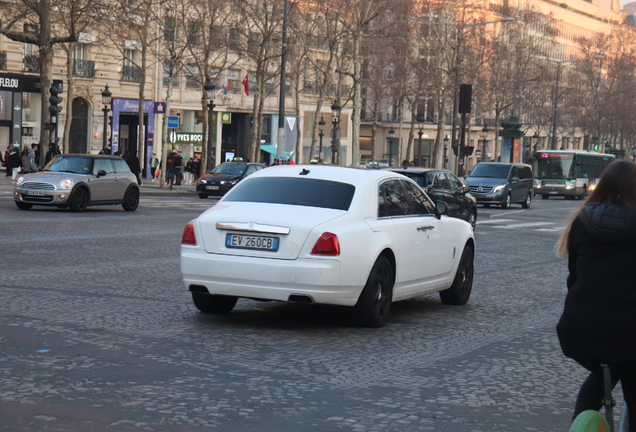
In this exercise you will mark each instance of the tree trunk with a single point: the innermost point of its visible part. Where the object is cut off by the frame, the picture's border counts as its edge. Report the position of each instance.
(70, 59)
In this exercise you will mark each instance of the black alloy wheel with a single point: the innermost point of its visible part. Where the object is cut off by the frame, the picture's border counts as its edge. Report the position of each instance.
(527, 202)
(374, 305)
(79, 201)
(472, 219)
(131, 200)
(507, 202)
(459, 291)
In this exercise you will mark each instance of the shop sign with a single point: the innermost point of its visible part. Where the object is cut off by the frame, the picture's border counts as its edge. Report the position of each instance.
(185, 138)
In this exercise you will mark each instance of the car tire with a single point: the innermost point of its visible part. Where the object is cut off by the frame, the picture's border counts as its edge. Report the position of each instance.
(216, 304)
(23, 205)
(472, 219)
(507, 202)
(460, 290)
(203, 196)
(544, 196)
(374, 305)
(79, 202)
(527, 202)
(131, 199)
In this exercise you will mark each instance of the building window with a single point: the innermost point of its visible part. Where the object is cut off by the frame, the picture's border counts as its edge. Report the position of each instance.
(31, 59)
(82, 66)
(166, 74)
(192, 76)
(170, 29)
(233, 80)
(130, 71)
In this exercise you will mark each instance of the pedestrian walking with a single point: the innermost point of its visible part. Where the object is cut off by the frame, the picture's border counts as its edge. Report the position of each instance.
(154, 164)
(24, 160)
(51, 153)
(178, 166)
(197, 169)
(189, 172)
(33, 167)
(133, 163)
(4, 161)
(14, 160)
(170, 168)
(598, 321)
(36, 150)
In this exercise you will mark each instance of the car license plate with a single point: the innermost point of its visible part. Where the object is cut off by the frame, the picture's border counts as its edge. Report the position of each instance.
(212, 187)
(251, 242)
(477, 195)
(35, 192)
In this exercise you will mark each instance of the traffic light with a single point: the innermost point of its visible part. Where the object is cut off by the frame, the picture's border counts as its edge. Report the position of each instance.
(55, 101)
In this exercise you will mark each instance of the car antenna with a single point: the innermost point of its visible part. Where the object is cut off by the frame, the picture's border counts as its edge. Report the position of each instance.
(304, 172)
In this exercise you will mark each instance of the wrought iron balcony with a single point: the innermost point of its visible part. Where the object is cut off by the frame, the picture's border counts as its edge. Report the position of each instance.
(32, 63)
(84, 68)
(3, 60)
(130, 74)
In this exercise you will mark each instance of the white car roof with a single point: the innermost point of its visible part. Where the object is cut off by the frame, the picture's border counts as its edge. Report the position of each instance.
(354, 176)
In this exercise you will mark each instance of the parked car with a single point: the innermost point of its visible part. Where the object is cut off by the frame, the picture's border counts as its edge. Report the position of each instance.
(501, 183)
(223, 178)
(441, 184)
(77, 181)
(328, 235)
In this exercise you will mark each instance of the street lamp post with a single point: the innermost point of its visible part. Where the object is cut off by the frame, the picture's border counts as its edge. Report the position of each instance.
(420, 133)
(555, 103)
(445, 161)
(209, 88)
(390, 144)
(107, 97)
(459, 38)
(535, 142)
(484, 147)
(321, 133)
(335, 130)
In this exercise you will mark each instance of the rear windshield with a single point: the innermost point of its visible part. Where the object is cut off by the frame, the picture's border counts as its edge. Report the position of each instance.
(494, 171)
(422, 179)
(294, 191)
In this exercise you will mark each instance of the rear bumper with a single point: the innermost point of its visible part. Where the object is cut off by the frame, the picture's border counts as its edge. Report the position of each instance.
(266, 278)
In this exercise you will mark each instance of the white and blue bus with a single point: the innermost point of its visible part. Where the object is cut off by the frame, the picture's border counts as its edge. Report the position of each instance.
(567, 173)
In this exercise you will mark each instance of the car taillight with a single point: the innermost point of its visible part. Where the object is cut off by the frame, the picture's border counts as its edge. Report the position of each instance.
(327, 244)
(188, 237)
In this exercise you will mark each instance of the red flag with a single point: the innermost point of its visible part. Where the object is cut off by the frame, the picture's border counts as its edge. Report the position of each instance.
(246, 85)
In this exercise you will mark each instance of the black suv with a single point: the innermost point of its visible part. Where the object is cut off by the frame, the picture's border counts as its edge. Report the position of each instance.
(443, 185)
(222, 178)
(501, 183)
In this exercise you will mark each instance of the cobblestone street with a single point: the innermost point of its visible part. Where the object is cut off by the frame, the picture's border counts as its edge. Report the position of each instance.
(98, 333)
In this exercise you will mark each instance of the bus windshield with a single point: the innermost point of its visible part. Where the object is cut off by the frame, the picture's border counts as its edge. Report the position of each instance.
(554, 166)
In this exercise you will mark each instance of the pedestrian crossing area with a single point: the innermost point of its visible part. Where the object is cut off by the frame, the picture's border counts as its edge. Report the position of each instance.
(511, 224)
(187, 203)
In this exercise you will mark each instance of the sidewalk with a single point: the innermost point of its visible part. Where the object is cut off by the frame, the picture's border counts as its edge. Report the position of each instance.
(149, 188)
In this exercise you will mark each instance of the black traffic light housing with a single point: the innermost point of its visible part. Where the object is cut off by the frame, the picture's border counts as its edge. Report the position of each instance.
(55, 100)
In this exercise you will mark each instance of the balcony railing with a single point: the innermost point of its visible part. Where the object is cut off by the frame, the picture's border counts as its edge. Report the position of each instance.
(32, 63)
(84, 68)
(3, 60)
(130, 74)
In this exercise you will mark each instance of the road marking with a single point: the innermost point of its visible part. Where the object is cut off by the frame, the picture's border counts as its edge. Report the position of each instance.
(524, 225)
(494, 221)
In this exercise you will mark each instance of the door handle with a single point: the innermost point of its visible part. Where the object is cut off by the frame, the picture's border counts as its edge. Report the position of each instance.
(425, 228)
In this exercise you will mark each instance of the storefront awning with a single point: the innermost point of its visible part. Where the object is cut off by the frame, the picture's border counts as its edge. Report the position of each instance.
(272, 150)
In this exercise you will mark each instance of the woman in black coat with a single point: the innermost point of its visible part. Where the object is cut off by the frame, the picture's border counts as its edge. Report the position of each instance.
(598, 324)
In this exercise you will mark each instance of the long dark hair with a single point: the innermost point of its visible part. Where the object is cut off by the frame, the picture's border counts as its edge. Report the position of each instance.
(616, 186)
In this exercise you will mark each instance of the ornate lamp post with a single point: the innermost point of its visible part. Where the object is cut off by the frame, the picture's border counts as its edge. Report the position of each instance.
(209, 88)
(535, 142)
(321, 133)
(107, 97)
(484, 147)
(335, 130)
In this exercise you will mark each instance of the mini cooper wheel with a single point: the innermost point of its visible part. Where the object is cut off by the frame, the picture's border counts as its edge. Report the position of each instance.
(131, 200)
(216, 304)
(527, 202)
(459, 291)
(79, 201)
(23, 205)
(203, 196)
(374, 304)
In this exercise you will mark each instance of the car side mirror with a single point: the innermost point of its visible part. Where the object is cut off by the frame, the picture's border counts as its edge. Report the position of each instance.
(515, 179)
(441, 209)
(465, 189)
(101, 173)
